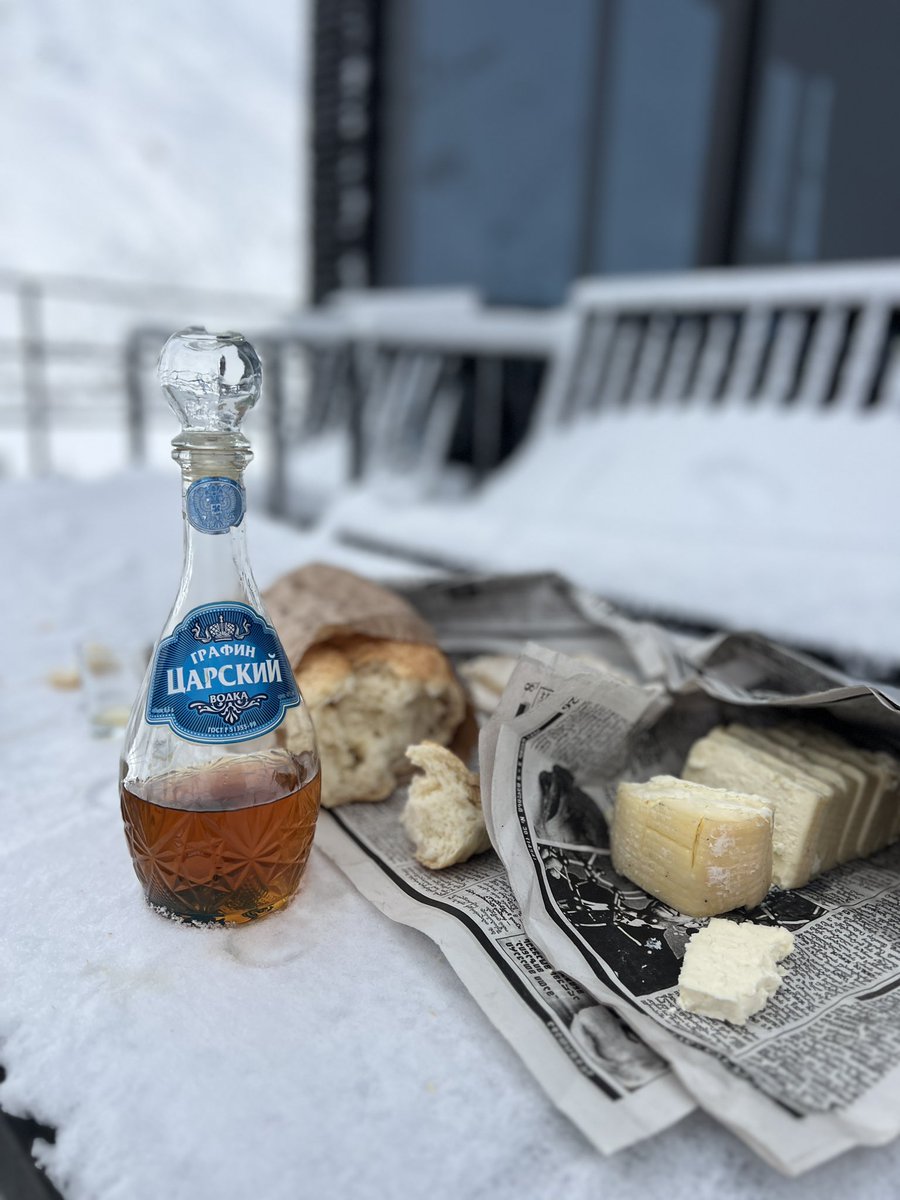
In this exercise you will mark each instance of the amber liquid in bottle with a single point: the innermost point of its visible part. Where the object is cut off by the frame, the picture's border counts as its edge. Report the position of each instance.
(219, 814)
(213, 846)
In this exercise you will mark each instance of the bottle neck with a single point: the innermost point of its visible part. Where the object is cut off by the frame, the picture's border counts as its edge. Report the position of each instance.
(216, 566)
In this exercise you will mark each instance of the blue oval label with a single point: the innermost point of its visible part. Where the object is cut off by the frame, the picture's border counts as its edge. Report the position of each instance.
(215, 504)
(221, 676)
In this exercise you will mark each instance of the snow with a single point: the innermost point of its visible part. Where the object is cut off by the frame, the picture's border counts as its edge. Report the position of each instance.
(779, 521)
(325, 1052)
(154, 141)
(316, 473)
(146, 143)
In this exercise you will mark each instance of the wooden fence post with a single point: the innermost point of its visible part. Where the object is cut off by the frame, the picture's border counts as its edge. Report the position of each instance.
(34, 376)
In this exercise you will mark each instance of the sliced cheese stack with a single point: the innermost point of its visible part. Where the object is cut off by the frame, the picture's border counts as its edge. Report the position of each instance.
(831, 801)
(804, 834)
(701, 850)
(731, 970)
(801, 739)
(875, 823)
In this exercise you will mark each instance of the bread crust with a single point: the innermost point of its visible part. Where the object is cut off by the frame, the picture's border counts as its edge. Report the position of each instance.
(369, 698)
(326, 667)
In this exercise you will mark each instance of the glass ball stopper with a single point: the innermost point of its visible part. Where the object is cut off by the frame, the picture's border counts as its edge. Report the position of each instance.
(211, 380)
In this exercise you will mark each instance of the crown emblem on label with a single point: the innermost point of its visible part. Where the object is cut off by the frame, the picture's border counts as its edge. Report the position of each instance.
(221, 630)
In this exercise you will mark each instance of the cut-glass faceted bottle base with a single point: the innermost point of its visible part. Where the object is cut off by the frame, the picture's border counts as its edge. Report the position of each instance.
(229, 918)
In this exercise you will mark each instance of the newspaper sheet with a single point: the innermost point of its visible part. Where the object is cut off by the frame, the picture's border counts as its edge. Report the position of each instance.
(590, 1062)
(818, 1071)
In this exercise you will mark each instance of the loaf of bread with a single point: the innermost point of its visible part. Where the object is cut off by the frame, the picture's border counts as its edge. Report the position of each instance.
(370, 698)
(443, 814)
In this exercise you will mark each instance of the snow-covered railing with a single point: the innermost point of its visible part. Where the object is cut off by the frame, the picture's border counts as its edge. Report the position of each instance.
(374, 366)
(309, 384)
(395, 392)
(412, 366)
(720, 447)
(816, 337)
(65, 338)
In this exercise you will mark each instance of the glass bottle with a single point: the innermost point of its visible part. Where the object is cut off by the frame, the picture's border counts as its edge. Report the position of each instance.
(219, 814)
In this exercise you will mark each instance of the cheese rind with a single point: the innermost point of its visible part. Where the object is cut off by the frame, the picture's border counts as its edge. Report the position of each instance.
(701, 850)
(730, 969)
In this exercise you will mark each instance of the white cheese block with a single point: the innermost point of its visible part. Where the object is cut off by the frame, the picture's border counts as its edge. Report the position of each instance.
(803, 764)
(804, 824)
(730, 969)
(701, 850)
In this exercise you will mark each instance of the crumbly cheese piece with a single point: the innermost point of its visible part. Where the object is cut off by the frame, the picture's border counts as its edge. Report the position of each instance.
(803, 765)
(701, 850)
(803, 834)
(730, 969)
(443, 814)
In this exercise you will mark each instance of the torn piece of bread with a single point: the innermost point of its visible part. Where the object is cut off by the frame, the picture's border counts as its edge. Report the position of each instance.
(369, 698)
(443, 815)
(730, 969)
(64, 679)
(701, 850)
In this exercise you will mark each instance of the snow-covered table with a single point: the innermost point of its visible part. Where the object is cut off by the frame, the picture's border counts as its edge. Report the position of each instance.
(777, 520)
(325, 1052)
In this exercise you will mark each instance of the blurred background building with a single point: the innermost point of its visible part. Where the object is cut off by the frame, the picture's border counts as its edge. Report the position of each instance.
(169, 165)
(516, 147)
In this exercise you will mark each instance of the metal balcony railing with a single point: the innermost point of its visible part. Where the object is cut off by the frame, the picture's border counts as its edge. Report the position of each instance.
(66, 346)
